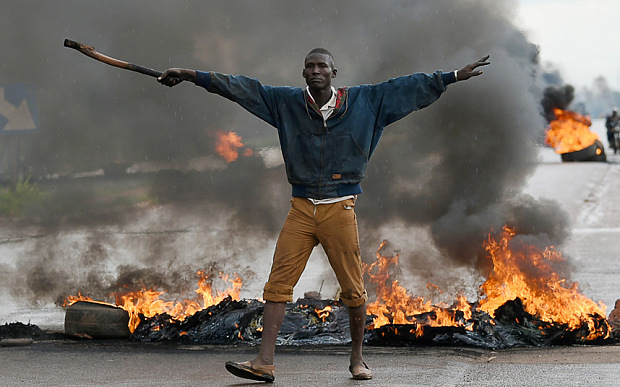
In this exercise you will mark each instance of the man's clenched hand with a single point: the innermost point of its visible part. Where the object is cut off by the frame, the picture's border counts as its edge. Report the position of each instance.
(174, 76)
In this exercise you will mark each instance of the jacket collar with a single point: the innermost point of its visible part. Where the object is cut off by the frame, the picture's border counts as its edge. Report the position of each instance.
(341, 97)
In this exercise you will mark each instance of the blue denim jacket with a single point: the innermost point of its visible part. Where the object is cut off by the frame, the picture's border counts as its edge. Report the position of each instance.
(328, 158)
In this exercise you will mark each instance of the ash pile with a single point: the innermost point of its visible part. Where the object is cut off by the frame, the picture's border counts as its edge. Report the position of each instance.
(19, 334)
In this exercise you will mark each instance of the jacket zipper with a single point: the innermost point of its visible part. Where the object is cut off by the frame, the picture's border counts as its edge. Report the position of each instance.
(321, 167)
(322, 153)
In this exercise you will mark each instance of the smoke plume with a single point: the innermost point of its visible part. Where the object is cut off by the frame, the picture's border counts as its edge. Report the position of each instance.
(439, 182)
(557, 97)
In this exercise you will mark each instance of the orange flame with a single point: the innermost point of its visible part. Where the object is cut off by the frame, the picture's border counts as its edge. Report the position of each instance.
(323, 313)
(147, 302)
(394, 304)
(545, 295)
(570, 132)
(519, 270)
(228, 144)
(543, 292)
(73, 299)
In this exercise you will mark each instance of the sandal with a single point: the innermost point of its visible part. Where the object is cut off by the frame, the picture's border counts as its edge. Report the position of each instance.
(361, 372)
(263, 373)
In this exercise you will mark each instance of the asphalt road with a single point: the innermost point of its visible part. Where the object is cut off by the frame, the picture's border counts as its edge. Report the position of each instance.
(104, 363)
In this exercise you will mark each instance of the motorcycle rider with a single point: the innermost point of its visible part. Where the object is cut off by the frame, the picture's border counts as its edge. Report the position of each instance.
(612, 123)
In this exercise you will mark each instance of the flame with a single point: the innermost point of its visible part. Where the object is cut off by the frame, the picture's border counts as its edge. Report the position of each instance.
(570, 132)
(395, 305)
(147, 302)
(228, 144)
(323, 313)
(73, 299)
(519, 271)
(545, 295)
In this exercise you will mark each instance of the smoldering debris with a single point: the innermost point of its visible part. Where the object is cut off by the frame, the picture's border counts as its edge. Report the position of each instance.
(319, 322)
(511, 327)
(310, 321)
(17, 330)
(232, 322)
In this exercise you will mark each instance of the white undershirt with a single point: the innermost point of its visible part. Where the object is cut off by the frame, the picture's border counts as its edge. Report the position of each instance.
(331, 200)
(328, 108)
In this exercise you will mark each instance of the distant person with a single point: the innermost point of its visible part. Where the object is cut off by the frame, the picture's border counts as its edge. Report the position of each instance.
(327, 136)
(612, 123)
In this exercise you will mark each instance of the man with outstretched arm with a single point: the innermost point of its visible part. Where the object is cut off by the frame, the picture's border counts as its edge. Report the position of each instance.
(327, 137)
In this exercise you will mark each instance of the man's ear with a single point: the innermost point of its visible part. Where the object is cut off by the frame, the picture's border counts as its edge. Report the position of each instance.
(334, 71)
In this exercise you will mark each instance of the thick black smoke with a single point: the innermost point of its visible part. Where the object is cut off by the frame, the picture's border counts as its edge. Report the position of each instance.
(558, 97)
(445, 176)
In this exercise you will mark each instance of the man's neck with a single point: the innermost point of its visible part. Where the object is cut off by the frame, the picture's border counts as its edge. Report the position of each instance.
(321, 96)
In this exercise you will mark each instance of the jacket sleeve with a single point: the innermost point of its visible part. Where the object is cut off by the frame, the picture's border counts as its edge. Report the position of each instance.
(249, 93)
(396, 98)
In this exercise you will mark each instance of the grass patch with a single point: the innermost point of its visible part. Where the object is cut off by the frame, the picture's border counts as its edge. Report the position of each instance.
(14, 199)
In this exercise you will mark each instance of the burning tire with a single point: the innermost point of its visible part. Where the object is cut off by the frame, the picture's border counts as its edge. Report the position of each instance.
(595, 152)
(100, 321)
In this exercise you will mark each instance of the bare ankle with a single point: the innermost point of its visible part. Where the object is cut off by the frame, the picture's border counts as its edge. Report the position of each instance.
(356, 361)
(262, 360)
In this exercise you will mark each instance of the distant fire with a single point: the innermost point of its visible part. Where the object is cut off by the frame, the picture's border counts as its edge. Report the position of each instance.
(228, 145)
(570, 132)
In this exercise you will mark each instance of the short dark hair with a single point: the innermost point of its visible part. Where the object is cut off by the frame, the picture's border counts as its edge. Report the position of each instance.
(324, 51)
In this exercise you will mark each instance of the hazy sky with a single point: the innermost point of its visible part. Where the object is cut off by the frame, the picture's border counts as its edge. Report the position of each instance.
(580, 37)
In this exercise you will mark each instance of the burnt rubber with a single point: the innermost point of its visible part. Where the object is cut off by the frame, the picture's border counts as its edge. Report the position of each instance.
(97, 320)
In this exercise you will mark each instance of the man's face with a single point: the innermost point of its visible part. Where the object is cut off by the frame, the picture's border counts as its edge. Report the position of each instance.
(318, 71)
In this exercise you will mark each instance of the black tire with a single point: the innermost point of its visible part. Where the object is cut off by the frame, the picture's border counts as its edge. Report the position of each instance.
(587, 154)
(99, 321)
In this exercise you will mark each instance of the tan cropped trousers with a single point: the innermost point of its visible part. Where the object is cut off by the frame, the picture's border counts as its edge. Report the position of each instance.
(334, 226)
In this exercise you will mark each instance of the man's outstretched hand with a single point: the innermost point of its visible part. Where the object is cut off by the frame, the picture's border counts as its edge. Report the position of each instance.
(470, 70)
(174, 76)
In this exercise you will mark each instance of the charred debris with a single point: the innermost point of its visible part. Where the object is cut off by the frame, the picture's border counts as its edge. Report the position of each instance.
(320, 322)
(326, 322)
(316, 322)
